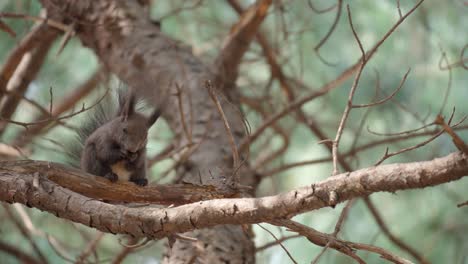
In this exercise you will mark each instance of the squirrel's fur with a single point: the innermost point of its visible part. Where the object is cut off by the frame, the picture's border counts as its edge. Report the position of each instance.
(113, 142)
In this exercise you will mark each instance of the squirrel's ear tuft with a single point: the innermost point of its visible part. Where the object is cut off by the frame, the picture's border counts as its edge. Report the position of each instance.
(128, 108)
(153, 117)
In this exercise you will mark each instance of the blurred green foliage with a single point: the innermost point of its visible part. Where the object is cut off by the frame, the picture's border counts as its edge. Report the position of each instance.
(426, 219)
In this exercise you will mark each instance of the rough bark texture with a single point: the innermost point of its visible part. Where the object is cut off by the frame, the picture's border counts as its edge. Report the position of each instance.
(41, 193)
(100, 188)
(134, 48)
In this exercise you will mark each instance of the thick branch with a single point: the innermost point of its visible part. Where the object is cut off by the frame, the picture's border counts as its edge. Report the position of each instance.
(155, 223)
(100, 188)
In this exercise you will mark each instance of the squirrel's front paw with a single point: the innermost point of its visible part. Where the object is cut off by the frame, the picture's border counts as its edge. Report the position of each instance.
(140, 182)
(111, 177)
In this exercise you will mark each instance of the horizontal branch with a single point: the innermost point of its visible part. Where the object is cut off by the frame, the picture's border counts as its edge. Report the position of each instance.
(101, 188)
(20, 185)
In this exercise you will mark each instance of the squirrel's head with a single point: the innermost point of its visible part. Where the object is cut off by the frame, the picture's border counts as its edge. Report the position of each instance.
(132, 129)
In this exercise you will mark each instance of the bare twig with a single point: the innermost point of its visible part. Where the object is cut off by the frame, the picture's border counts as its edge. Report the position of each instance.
(276, 242)
(132, 246)
(324, 89)
(405, 132)
(122, 255)
(349, 105)
(90, 248)
(193, 6)
(29, 101)
(344, 247)
(163, 154)
(235, 152)
(187, 132)
(26, 234)
(386, 98)
(367, 112)
(18, 254)
(399, 9)
(338, 226)
(459, 143)
(330, 31)
(354, 151)
(66, 37)
(387, 155)
(65, 104)
(425, 142)
(320, 11)
(133, 243)
(443, 58)
(279, 242)
(83, 109)
(62, 253)
(318, 238)
(50, 22)
(378, 218)
(462, 57)
(4, 27)
(460, 63)
(56, 245)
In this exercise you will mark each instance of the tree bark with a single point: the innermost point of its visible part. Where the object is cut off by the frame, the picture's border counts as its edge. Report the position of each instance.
(100, 188)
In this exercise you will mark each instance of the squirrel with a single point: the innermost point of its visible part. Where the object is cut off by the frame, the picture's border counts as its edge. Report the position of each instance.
(114, 145)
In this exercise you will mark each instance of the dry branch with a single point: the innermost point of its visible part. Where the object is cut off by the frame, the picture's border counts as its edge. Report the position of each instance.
(380, 221)
(345, 75)
(66, 103)
(14, 57)
(25, 233)
(236, 44)
(16, 185)
(344, 247)
(100, 188)
(25, 71)
(17, 253)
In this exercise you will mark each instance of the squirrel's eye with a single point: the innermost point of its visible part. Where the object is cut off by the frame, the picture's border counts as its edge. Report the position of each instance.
(125, 130)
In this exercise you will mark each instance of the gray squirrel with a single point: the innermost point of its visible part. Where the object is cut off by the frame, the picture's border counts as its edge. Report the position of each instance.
(115, 145)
